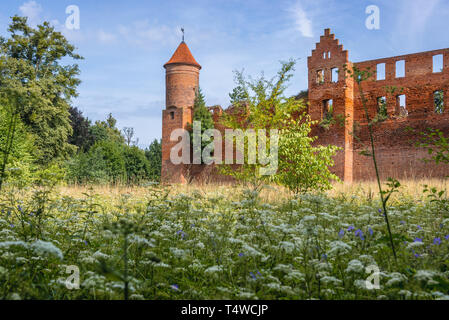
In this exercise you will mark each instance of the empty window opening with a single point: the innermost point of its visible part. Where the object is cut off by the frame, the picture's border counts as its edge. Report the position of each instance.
(329, 55)
(438, 98)
(381, 71)
(382, 108)
(402, 105)
(320, 76)
(324, 55)
(172, 115)
(438, 63)
(328, 109)
(400, 69)
(334, 74)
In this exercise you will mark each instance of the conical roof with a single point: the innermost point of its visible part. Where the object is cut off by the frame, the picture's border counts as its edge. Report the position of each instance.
(183, 55)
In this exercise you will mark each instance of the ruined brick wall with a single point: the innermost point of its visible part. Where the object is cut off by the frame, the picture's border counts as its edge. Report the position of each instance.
(395, 138)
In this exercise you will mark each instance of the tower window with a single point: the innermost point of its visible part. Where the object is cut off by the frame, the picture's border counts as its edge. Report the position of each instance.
(381, 71)
(438, 98)
(320, 76)
(334, 74)
(329, 55)
(438, 63)
(172, 115)
(400, 69)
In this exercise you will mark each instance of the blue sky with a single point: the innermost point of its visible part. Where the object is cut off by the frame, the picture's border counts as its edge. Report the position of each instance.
(126, 43)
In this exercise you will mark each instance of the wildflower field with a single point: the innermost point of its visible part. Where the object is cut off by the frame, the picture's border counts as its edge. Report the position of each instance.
(220, 243)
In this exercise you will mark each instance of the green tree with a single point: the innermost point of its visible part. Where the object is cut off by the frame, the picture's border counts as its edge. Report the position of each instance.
(112, 155)
(136, 164)
(301, 167)
(39, 53)
(81, 135)
(202, 115)
(106, 130)
(154, 156)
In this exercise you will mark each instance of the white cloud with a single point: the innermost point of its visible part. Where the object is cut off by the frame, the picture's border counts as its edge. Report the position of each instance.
(106, 37)
(32, 10)
(302, 21)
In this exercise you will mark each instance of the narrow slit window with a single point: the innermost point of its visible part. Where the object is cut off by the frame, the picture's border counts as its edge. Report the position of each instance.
(324, 55)
(320, 76)
(381, 71)
(400, 69)
(438, 98)
(329, 55)
(402, 105)
(382, 107)
(438, 63)
(172, 115)
(328, 109)
(334, 74)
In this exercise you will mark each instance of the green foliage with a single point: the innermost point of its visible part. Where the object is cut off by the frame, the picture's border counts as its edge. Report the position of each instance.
(154, 156)
(208, 245)
(81, 135)
(202, 115)
(32, 58)
(136, 164)
(301, 167)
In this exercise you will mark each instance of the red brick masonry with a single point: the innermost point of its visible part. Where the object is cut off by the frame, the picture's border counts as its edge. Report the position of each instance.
(395, 137)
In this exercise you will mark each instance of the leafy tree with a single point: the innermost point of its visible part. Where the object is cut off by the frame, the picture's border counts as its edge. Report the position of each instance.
(154, 156)
(136, 164)
(112, 155)
(81, 135)
(44, 108)
(202, 115)
(301, 167)
(106, 130)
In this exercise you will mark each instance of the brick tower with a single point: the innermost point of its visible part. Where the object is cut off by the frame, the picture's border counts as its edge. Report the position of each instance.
(331, 95)
(182, 80)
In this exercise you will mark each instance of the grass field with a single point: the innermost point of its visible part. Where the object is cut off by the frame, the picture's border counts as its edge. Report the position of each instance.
(222, 242)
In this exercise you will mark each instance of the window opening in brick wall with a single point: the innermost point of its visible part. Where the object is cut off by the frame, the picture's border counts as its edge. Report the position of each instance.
(438, 63)
(320, 76)
(402, 105)
(382, 112)
(400, 69)
(438, 98)
(334, 74)
(172, 115)
(381, 71)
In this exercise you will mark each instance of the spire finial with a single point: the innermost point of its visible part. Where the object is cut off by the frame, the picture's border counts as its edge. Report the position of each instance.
(182, 30)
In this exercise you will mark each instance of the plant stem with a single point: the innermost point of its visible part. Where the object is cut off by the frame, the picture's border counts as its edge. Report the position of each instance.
(384, 207)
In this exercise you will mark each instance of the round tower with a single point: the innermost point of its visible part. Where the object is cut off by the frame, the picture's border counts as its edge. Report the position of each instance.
(182, 78)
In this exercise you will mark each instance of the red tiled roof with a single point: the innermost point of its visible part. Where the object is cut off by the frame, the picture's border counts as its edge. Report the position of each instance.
(183, 55)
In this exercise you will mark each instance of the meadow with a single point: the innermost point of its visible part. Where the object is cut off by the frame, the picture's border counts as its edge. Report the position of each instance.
(222, 242)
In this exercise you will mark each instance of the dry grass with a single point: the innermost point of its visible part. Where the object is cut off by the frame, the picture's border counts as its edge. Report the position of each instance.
(409, 188)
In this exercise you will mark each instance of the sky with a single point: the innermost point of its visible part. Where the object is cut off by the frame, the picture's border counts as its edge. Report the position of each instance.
(126, 43)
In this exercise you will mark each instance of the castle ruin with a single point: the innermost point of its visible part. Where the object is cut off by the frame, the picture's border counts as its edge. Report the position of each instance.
(408, 94)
